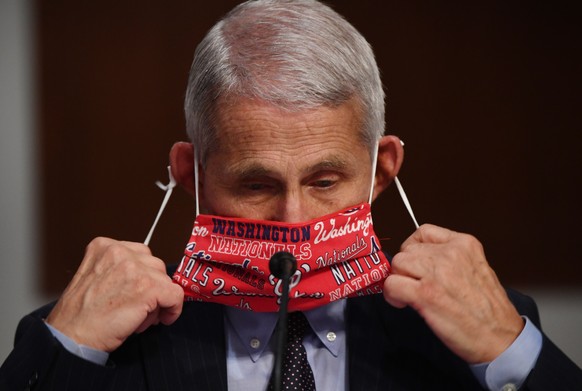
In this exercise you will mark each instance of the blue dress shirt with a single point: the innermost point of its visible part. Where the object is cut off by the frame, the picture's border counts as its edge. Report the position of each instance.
(250, 345)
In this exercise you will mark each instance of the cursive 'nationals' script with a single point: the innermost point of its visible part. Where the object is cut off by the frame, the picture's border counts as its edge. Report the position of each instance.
(325, 233)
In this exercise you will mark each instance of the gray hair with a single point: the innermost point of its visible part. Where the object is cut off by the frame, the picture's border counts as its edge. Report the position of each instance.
(295, 54)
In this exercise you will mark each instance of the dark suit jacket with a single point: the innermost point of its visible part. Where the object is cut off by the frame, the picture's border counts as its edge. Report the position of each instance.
(388, 349)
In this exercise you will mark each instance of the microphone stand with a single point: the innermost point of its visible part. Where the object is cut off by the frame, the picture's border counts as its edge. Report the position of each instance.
(282, 265)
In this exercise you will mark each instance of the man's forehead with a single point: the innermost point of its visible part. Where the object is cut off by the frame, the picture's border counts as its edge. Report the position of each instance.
(255, 110)
(254, 138)
(236, 115)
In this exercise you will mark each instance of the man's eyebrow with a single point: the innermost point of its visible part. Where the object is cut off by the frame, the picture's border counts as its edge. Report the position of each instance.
(257, 170)
(252, 170)
(330, 163)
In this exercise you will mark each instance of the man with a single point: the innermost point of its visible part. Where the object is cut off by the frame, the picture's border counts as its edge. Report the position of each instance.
(285, 111)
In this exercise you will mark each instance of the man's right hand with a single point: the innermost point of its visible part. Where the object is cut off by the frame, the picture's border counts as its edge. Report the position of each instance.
(119, 289)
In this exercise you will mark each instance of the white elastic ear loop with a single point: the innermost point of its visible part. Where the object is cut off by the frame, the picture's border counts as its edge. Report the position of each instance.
(196, 181)
(404, 197)
(398, 185)
(405, 200)
(374, 165)
(168, 189)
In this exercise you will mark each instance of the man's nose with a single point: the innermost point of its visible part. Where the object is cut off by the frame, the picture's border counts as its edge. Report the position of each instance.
(290, 208)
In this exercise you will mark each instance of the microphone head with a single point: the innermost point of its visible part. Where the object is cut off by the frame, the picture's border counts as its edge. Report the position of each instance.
(282, 263)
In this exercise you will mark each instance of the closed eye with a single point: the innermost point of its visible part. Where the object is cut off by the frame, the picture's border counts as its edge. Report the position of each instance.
(324, 183)
(256, 186)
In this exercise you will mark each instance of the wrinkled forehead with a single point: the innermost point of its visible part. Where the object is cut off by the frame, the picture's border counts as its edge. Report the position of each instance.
(238, 121)
(267, 141)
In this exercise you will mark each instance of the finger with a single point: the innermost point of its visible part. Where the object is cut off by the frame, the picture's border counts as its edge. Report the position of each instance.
(154, 263)
(111, 249)
(400, 290)
(151, 319)
(171, 314)
(104, 255)
(118, 255)
(428, 233)
(415, 264)
(169, 308)
(139, 248)
(171, 303)
(165, 298)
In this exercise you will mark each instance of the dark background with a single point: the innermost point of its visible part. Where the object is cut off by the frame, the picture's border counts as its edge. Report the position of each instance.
(486, 96)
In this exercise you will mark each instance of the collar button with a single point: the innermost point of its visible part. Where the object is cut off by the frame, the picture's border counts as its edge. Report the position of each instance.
(331, 336)
(255, 343)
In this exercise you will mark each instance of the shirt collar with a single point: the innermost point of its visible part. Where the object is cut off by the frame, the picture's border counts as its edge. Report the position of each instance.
(254, 329)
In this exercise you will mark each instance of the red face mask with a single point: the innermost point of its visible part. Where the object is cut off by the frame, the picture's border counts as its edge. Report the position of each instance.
(227, 260)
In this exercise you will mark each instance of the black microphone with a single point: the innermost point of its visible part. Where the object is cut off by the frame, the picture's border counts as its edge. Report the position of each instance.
(282, 265)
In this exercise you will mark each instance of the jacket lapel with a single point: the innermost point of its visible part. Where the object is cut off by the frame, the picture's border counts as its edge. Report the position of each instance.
(367, 346)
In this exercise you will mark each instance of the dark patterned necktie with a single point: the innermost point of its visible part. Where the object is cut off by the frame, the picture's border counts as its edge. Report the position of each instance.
(296, 372)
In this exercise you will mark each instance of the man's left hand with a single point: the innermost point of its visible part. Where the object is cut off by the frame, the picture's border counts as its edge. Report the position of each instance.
(444, 276)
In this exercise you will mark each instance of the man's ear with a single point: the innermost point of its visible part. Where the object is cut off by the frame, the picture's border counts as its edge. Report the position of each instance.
(182, 165)
(390, 157)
